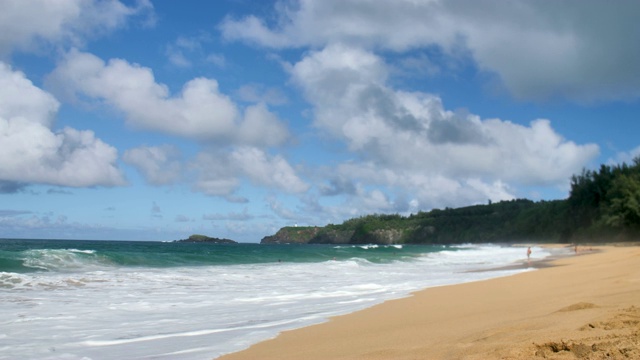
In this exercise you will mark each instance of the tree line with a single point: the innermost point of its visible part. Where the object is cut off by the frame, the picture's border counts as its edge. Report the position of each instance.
(603, 205)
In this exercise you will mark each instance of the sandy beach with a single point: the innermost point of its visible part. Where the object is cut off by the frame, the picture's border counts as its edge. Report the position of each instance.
(585, 306)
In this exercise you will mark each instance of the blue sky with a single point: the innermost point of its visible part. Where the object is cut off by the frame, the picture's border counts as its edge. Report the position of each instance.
(154, 120)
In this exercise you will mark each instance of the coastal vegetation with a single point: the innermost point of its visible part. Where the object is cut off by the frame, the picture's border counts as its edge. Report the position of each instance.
(603, 205)
(196, 238)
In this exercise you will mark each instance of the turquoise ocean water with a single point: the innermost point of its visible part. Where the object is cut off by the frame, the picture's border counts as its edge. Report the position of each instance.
(72, 299)
(60, 255)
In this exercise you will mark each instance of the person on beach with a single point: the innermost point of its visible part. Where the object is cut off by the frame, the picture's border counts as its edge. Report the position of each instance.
(529, 253)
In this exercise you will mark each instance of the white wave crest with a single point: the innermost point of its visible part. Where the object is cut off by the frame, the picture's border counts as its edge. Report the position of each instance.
(63, 259)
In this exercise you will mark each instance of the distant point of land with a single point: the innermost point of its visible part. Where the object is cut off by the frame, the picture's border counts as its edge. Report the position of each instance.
(206, 239)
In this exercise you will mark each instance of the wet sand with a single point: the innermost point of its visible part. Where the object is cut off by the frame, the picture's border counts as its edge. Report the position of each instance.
(586, 306)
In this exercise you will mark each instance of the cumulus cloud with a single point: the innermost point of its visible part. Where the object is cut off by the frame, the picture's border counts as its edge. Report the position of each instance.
(215, 175)
(160, 165)
(281, 210)
(419, 189)
(413, 130)
(32, 152)
(338, 186)
(200, 111)
(27, 25)
(263, 169)
(408, 139)
(219, 173)
(538, 49)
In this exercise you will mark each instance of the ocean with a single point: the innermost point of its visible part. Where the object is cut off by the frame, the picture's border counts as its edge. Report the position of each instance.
(73, 299)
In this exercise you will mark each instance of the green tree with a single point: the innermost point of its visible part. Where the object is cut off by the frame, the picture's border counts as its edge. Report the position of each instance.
(624, 202)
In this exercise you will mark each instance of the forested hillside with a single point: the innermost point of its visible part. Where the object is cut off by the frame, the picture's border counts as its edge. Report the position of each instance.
(606, 202)
(603, 205)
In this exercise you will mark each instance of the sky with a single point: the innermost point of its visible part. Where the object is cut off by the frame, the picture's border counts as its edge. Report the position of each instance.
(155, 120)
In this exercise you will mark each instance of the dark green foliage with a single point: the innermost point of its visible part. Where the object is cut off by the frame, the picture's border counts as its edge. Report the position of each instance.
(516, 220)
(623, 208)
(196, 238)
(292, 235)
(606, 203)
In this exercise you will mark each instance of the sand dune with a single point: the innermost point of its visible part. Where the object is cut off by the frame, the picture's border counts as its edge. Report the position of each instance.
(585, 306)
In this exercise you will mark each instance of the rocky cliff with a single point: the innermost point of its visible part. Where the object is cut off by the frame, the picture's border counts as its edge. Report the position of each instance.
(380, 236)
(292, 235)
(332, 236)
(320, 235)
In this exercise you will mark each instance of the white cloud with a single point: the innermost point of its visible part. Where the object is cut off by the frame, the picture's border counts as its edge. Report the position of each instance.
(177, 58)
(160, 165)
(188, 43)
(538, 49)
(188, 52)
(260, 126)
(217, 59)
(23, 101)
(26, 25)
(200, 111)
(422, 188)
(180, 51)
(272, 171)
(281, 210)
(375, 199)
(409, 140)
(219, 173)
(626, 156)
(394, 24)
(214, 174)
(32, 153)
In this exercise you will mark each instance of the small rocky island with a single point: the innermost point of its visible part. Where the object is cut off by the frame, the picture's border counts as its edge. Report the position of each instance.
(206, 239)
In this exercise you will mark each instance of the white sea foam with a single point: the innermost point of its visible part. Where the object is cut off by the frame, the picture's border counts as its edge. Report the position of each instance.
(203, 312)
(63, 259)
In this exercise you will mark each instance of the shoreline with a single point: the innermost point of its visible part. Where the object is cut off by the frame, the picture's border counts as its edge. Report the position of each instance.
(580, 305)
(545, 262)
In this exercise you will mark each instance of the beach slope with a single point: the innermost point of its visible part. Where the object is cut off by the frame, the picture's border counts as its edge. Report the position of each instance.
(585, 306)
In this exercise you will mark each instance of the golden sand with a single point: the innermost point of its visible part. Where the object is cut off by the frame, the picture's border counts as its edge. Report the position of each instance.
(585, 307)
